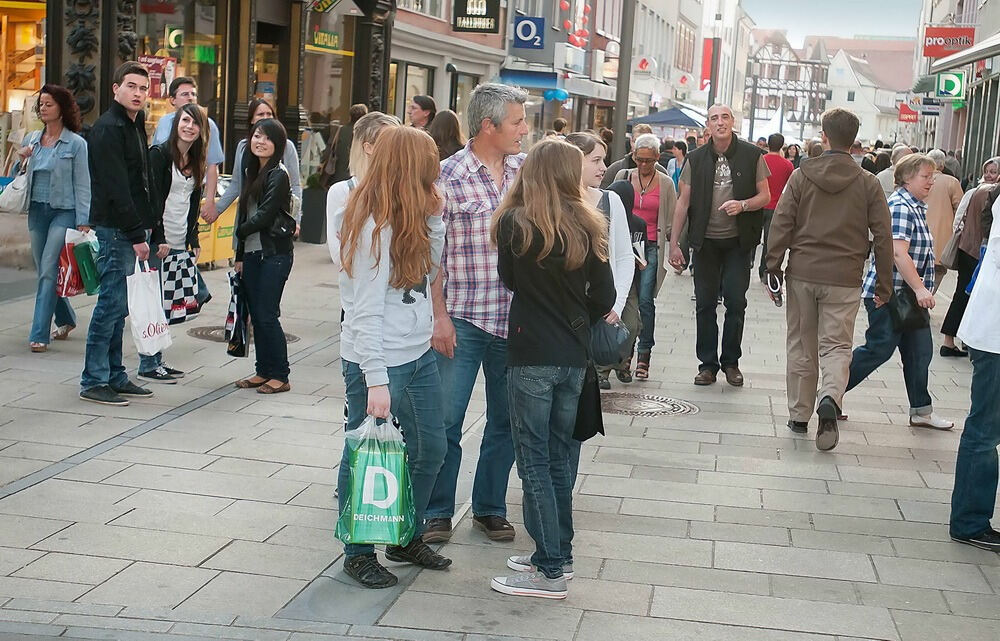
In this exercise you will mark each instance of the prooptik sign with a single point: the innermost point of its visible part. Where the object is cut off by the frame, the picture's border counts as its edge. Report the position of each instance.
(944, 41)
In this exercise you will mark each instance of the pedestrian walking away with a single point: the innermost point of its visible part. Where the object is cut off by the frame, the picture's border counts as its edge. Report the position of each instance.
(654, 202)
(122, 215)
(446, 131)
(555, 263)
(59, 199)
(942, 205)
(392, 237)
(471, 306)
(973, 500)
(781, 170)
(264, 230)
(620, 254)
(823, 221)
(913, 267)
(723, 191)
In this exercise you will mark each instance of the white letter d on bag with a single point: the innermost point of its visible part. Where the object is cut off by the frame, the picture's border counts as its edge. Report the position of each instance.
(391, 485)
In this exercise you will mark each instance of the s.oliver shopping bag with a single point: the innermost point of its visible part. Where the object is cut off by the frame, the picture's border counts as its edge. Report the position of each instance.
(145, 310)
(238, 318)
(379, 498)
(180, 287)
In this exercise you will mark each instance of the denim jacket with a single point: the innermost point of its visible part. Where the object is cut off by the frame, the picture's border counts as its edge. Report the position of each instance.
(70, 184)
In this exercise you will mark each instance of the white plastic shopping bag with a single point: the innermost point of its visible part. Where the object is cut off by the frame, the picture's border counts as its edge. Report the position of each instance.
(145, 309)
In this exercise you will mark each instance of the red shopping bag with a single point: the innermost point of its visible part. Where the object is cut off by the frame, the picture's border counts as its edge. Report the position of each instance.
(69, 282)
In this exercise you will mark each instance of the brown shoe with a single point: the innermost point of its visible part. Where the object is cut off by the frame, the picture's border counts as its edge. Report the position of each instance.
(733, 376)
(496, 528)
(437, 531)
(704, 377)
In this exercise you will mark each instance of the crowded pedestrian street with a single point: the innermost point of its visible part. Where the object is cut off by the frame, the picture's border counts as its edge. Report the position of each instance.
(208, 511)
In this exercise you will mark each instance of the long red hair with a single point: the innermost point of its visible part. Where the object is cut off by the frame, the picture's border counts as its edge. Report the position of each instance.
(397, 191)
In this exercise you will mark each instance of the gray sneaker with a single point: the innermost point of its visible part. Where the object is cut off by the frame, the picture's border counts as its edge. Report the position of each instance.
(533, 584)
(523, 564)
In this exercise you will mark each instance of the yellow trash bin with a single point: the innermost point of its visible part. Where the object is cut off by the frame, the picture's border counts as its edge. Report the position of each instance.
(222, 233)
(205, 240)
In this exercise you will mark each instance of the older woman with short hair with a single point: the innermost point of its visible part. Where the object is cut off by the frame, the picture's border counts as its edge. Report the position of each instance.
(655, 198)
(913, 257)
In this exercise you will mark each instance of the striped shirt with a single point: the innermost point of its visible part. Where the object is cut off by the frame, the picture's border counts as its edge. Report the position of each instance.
(472, 285)
(909, 223)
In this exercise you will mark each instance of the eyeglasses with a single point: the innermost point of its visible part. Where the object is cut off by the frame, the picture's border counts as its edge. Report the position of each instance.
(644, 161)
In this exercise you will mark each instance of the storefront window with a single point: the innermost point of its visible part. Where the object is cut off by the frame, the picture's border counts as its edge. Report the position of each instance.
(179, 38)
(265, 68)
(23, 66)
(462, 87)
(329, 64)
(417, 82)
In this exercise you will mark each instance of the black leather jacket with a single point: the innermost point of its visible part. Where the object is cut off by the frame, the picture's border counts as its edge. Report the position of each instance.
(161, 169)
(275, 197)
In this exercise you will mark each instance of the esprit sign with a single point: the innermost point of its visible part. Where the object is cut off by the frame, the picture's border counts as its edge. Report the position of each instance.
(944, 41)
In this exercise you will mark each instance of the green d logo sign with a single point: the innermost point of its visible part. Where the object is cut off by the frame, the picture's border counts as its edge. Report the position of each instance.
(951, 85)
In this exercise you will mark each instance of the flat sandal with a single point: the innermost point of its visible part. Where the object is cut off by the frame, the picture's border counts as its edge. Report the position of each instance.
(246, 383)
(268, 389)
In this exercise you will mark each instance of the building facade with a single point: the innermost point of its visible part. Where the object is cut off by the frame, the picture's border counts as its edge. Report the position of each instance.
(851, 85)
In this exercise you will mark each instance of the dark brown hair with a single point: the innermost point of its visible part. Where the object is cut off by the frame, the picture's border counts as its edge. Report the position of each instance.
(255, 176)
(252, 109)
(68, 109)
(447, 133)
(356, 111)
(586, 142)
(128, 68)
(841, 127)
(176, 83)
(427, 104)
(198, 151)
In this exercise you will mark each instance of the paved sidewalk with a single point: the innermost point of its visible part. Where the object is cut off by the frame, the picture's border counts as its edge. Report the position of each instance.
(207, 512)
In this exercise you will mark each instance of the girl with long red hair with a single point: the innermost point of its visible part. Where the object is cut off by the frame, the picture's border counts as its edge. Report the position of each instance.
(392, 236)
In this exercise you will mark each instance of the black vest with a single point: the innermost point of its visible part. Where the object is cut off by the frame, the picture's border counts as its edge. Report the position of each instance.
(743, 158)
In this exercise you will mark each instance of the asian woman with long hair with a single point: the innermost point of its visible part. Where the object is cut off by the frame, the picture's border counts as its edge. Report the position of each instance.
(263, 257)
(392, 236)
(553, 253)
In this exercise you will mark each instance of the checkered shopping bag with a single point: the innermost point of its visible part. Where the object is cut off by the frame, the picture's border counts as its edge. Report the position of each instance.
(180, 287)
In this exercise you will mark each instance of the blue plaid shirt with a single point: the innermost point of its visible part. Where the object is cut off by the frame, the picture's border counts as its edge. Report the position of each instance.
(909, 223)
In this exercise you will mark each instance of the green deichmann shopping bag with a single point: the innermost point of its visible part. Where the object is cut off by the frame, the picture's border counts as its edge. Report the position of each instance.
(379, 506)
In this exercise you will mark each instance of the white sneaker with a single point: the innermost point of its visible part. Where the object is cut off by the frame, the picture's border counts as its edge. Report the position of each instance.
(933, 421)
(523, 564)
(533, 584)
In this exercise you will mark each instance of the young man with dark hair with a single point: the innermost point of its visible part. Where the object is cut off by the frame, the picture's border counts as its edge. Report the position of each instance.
(559, 125)
(183, 91)
(723, 188)
(122, 216)
(823, 221)
(781, 169)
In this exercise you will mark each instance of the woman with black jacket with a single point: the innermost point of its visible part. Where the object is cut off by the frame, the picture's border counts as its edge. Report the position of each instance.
(176, 169)
(264, 232)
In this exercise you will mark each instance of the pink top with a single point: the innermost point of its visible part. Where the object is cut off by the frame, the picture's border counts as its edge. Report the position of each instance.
(647, 207)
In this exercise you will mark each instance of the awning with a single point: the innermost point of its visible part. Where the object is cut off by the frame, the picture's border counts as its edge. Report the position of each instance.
(673, 117)
(980, 51)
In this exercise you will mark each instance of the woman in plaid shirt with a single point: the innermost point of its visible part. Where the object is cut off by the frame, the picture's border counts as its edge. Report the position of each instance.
(913, 255)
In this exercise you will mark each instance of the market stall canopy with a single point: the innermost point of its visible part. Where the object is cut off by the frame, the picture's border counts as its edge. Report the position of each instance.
(672, 117)
(979, 51)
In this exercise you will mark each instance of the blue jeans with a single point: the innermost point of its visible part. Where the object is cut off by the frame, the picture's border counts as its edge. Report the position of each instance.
(265, 277)
(47, 228)
(150, 363)
(415, 390)
(476, 348)
(103, 362)
(543, 402)
(647, 295)
(916, 348)
(974, 497)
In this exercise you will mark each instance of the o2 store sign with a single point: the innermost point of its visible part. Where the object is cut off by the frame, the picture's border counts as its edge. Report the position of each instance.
(529, 33)
(476, 16)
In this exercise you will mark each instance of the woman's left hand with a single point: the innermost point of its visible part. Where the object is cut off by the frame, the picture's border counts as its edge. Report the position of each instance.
(162, 251)
(83, 229)
(612, 318)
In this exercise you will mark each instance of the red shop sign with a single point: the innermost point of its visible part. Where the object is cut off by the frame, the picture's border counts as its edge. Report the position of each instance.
(944, 41)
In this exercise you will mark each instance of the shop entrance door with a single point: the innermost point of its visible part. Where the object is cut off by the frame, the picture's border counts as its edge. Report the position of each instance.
(270, 60)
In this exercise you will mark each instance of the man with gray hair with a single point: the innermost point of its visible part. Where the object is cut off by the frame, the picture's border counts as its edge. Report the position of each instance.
(886, 177)
(471, 306)
(942, 203)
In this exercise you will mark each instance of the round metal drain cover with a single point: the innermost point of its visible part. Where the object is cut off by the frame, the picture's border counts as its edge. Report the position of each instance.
(217, 333)
(645, 405)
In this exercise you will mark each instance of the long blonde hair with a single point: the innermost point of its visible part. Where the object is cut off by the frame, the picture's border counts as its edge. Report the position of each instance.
(547, 196)
(397, 191)
(366, 130)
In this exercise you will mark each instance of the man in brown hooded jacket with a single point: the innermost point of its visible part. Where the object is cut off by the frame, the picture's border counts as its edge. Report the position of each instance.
(823, 221)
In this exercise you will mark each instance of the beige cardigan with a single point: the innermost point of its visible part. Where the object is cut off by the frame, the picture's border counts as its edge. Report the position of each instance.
(664, 223)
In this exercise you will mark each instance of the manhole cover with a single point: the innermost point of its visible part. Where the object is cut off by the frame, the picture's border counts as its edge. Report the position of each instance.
(644, 405)
(217, 333)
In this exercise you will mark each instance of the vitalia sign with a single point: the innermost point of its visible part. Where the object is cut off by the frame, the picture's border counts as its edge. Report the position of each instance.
(944, 41)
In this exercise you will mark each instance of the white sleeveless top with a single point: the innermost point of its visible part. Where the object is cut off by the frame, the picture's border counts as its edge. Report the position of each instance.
(176, 208)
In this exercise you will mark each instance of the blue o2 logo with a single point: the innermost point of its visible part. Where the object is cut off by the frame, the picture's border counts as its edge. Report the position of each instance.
(529, 33)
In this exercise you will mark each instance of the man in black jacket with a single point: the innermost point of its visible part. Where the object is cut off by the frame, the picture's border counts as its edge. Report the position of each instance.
(121, 214)
(723, 188)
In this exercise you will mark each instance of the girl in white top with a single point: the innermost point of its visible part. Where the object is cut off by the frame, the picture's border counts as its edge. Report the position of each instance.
(392, 236)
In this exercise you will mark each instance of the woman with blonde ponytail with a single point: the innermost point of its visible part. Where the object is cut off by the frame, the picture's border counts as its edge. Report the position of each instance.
(553, 251)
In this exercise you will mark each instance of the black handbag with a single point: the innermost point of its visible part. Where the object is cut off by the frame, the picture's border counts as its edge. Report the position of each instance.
(589, 419)
(906, 314)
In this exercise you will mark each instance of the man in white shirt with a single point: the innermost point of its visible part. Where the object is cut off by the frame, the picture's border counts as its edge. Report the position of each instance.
(974, 497)
(183, 90)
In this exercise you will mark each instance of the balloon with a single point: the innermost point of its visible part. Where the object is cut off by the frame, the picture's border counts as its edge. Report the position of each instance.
(548, 94)
(573, 40)
(585, 33)
(564, 5)
(567, 25)
(581, 32)
(585, 19)
(586, 8)
(562, 94)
